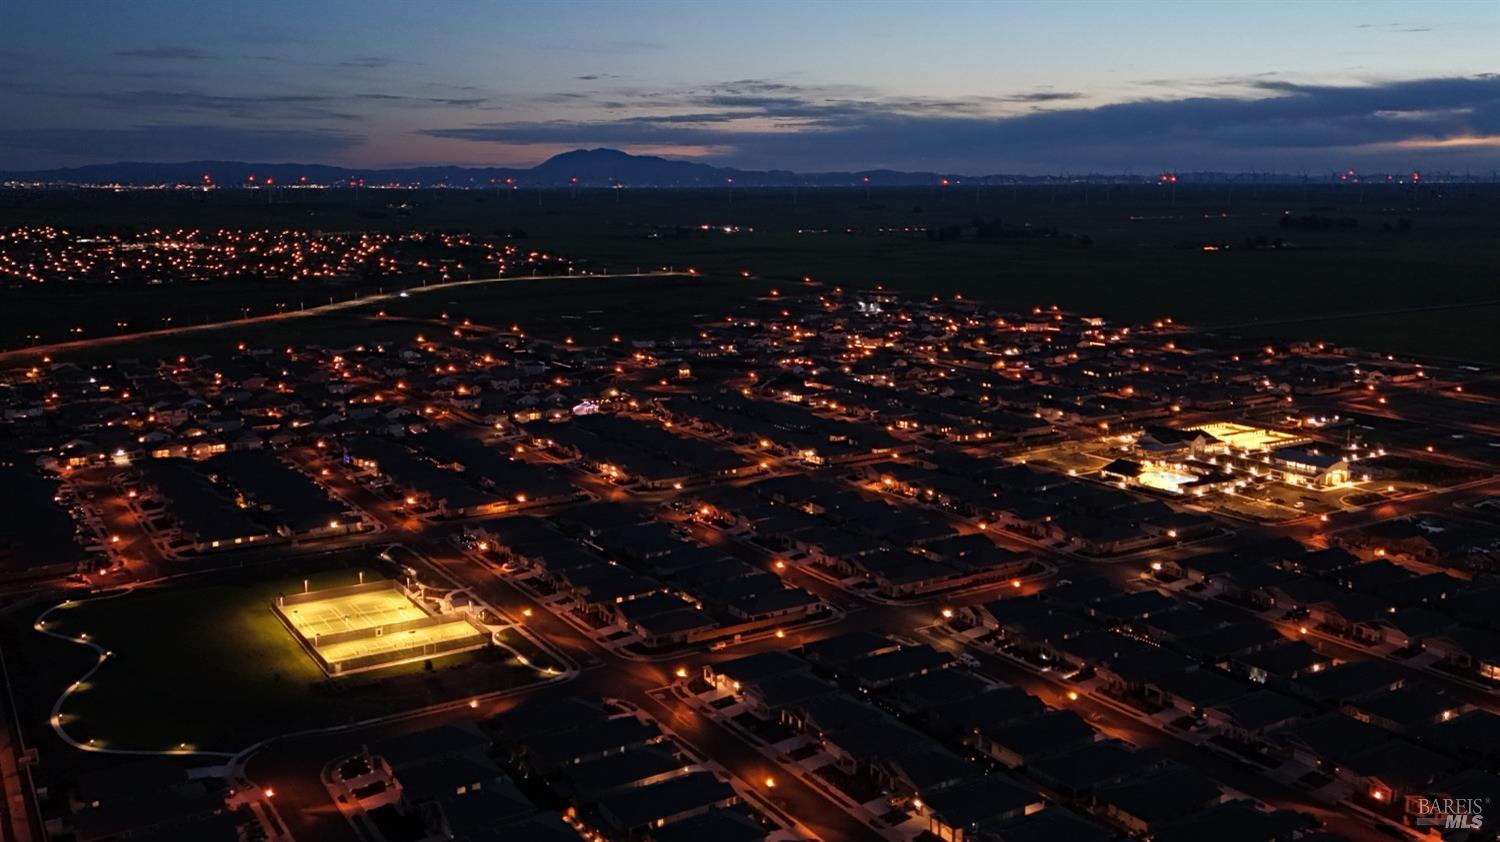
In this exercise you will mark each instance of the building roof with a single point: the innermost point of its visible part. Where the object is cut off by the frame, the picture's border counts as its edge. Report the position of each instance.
(848, 646)
(636, 808)
(760, 666)
(1081, 769)
(606, 775)
(1400, 764)
(736, 823)
(1262, 709)
(1048, 733)
(980, 801)
(1168, 795)
(1235, 821)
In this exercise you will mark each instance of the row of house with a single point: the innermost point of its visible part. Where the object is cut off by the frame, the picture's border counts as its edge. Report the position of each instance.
(1248, 685)
(969, 758)
(619, 568)
(621, 776)
(1370, 600)
(900, 551)
(638, 452)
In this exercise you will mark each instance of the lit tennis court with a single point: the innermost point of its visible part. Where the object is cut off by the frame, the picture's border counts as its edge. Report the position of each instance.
(352, 612)
(1245, 437)
(399, 644)
(374, 624)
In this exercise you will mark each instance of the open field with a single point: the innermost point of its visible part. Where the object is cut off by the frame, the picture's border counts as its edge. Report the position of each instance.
(1125, 253)
(209, 666)
(1463, 332)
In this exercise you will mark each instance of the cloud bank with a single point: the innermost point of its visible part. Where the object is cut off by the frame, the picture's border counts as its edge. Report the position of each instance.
(1279, 124)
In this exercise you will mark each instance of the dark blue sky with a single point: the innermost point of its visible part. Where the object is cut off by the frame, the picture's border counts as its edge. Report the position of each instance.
(974, 87)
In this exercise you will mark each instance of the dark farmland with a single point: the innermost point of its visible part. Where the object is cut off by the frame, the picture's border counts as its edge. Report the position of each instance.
(1349, 268)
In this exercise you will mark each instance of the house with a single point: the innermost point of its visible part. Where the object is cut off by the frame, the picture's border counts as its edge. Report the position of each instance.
(941, 687)
(1407, 710)
(1388, 772)
(1351, 614)
(888, 668)
(1471, 650)
(151, 798)
(1145, 806)
(1473, 737)
(736, 823)
(1237, 820)
(1193, 691)
(733, 675)
(1019, 743)
(840, 649)
(637, 810)
(963, 719)
(961, 812)
(1350, 682)
(1249, 718)
(1079, 771)
(1329, 741)
(1051, 825)
(1280, 665)
(637, 767)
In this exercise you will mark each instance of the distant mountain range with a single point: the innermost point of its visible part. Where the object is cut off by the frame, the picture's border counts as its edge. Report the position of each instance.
(582, 168)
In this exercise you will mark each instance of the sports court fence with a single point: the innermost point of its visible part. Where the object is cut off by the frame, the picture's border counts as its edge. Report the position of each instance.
(420, 648)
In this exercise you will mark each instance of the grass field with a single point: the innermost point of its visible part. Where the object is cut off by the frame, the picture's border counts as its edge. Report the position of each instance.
(210, 666)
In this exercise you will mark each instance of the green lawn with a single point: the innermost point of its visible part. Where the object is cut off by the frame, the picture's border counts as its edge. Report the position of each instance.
(210, 666)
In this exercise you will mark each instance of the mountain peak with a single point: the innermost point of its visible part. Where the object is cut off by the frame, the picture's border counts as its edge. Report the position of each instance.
(601, 153)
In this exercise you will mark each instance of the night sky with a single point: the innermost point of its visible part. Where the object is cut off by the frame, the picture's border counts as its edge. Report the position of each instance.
(971, 87)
